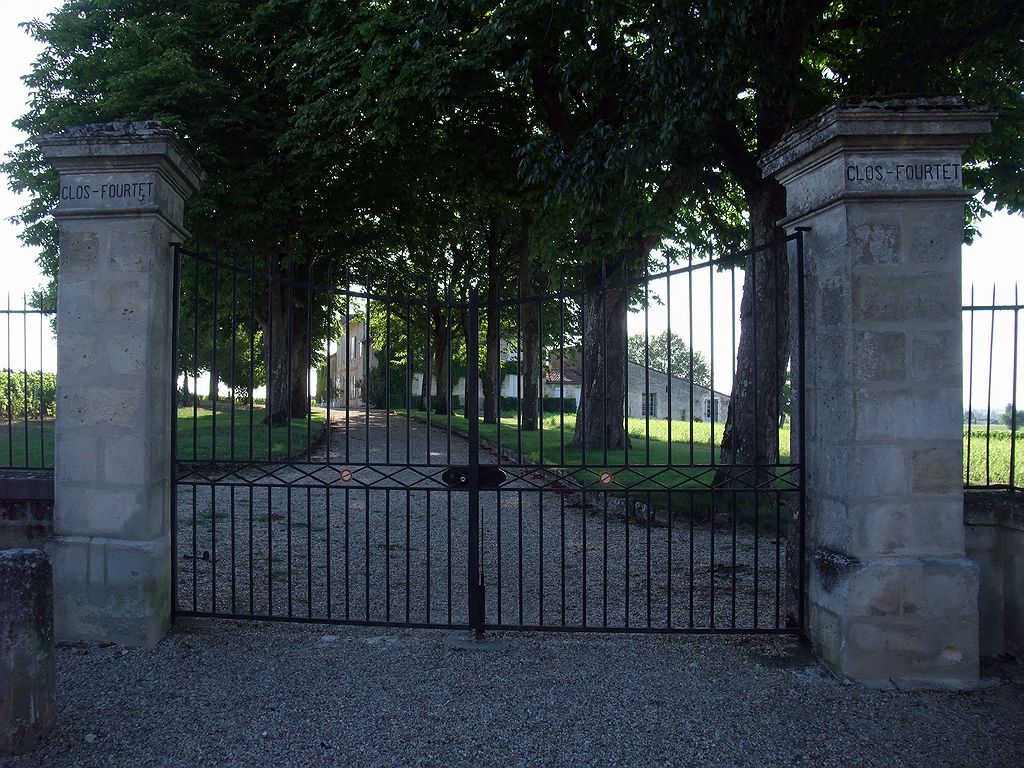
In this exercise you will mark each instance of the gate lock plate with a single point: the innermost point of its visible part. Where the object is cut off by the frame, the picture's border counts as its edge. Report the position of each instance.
(490, 477)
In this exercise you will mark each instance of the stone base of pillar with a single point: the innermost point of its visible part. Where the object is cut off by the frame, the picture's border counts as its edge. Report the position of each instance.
(111, 589)
(908, 622)
(28, 705)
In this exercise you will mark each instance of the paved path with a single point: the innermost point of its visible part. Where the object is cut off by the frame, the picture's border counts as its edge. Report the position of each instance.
(219, 693)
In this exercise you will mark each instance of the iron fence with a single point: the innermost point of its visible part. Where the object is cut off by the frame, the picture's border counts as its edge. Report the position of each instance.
(992, 421)
(389, 506)
(27, 386)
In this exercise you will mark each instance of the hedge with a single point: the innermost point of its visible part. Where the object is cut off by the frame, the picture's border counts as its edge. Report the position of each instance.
(550, 405)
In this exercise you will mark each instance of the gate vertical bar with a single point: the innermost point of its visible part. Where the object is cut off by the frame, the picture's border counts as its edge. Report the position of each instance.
(476, 587)
(1013, 394)
(802, 434)
(173, 468)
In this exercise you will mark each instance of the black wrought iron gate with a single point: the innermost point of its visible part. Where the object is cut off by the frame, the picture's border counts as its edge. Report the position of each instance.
(428, 480)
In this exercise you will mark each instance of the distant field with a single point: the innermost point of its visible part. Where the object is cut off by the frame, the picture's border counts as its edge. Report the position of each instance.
(198, 438)
(989, 460)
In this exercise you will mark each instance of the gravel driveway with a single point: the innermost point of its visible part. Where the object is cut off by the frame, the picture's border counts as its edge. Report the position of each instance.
(222, 693)
(390, 545)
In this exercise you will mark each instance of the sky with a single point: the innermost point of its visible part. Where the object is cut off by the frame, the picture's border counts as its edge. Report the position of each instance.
(993, 261)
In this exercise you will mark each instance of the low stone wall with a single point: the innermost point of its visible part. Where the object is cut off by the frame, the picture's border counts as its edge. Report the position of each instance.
(28, 706)
(994, 533)
(26, 508)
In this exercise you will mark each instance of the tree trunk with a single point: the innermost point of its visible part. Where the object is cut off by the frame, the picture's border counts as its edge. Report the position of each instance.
(490, 378)
(751, 435)
(529, 326)
(214, 390)
(600, 417)
(285, 349)
(286, 367)
(441, 360)
(466, 389)
(427, 372)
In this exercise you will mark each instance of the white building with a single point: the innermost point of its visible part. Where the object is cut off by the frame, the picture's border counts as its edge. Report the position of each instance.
(348, 365)
(647, 390)
(654, 392)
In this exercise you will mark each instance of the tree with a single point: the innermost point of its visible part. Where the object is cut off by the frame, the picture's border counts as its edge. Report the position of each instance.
(499, 246)
(428, 103)
(1010, 419)
(217, 72)
(652, 117)
(614, 179)
(782, 64)
(351, 132)
(655, 352)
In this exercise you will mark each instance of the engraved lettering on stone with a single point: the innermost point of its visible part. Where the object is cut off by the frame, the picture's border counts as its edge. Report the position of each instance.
(142, 191)
(901, 173)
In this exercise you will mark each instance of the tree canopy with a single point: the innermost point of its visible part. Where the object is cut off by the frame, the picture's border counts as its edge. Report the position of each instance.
(430, 142)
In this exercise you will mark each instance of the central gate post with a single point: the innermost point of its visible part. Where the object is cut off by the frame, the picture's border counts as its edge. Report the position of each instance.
(891, 596)
(475, 586)
(123, 188)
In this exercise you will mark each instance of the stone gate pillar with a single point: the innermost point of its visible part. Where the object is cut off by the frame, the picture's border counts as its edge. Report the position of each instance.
(122, 193)
(891, 595)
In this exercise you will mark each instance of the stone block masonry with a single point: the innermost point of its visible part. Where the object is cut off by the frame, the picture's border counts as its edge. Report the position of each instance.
(28, 706)
(994, 528)
(123, 189)
(892, 597)
(26, 508)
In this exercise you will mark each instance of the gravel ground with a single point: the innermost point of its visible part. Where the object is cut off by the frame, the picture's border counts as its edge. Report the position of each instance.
(222, 693)
(389, 554)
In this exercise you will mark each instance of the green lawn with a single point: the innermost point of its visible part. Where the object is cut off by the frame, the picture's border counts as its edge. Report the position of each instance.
(645, 464)
(26, 447)
(637, 469)
(196, 438)
(36, 448)
(995, 456)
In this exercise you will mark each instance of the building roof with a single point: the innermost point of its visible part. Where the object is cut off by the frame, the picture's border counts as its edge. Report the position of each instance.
(680, 379)
(570, 376)
(570, 373)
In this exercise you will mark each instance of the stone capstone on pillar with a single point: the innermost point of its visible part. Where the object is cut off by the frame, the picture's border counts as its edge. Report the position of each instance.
(122, 194)
(878, 184)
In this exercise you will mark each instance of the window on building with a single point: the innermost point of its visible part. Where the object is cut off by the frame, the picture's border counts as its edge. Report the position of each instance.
(649, 404)
(708, 406)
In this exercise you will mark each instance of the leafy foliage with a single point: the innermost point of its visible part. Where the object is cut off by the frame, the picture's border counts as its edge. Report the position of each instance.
(657, 350)
(27, 393)
(1009, 418)
(425, 143)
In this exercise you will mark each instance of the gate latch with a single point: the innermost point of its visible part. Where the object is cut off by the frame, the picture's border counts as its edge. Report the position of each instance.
(490, 476)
